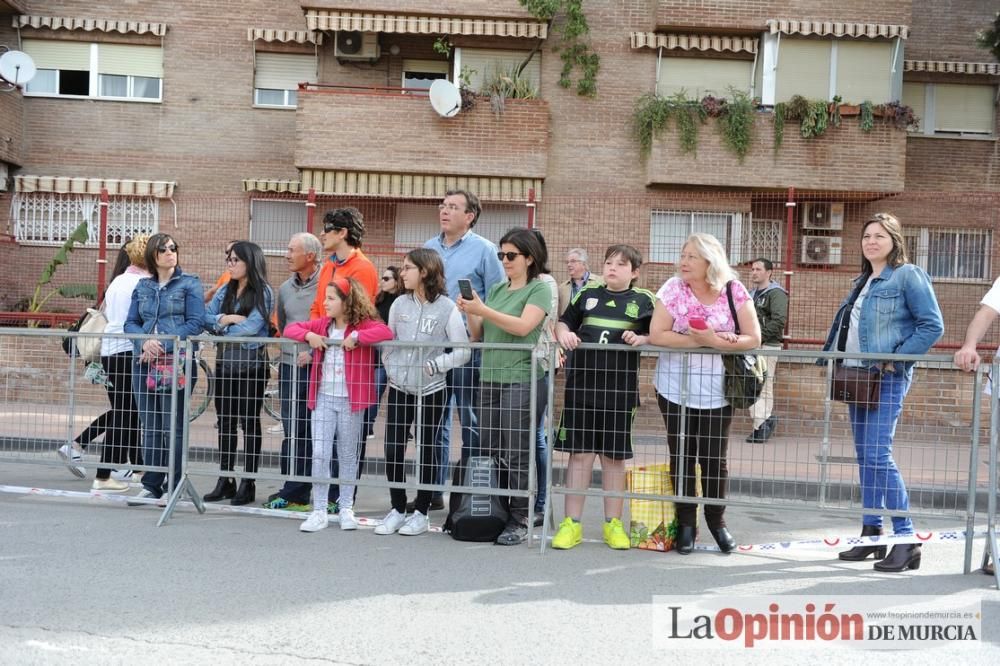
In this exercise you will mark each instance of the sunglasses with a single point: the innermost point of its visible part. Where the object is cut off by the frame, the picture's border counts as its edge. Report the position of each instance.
(509, 255)
(327, 228)
(167, 248)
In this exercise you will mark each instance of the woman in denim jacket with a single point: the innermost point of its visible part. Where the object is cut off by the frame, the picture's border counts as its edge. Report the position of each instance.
(170, 303)
(891, 309)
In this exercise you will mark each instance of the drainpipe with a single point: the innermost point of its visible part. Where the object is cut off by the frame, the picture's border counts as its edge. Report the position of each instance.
(790, 208)
(102, 248)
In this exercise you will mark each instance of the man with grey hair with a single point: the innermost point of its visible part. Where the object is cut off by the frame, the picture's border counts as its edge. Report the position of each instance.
(295, 297)
(579, 277)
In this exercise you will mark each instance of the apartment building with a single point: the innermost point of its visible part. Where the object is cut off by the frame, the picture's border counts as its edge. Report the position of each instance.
(194, 118)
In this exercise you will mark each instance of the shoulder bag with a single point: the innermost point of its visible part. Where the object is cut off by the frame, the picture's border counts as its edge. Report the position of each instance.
(745, 373)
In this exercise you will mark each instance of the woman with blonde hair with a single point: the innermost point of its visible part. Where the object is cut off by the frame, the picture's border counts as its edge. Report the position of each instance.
(704, 305)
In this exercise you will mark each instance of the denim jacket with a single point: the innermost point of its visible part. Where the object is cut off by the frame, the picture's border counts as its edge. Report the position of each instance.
(178, 308)
(254, 326)
(900, 315)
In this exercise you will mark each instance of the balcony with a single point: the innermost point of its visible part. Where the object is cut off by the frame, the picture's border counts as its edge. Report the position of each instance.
(386, 131)
(11, 121)
(842, 159)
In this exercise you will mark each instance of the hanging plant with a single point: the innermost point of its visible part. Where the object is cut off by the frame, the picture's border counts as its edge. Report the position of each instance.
(797, 108)
(689, 114)
(834, 109)
(736, 124)
(713, 106)
(867, 116)
(574, 51)
(900, 115)
(649, 118)
(780, 111)
(814, 121)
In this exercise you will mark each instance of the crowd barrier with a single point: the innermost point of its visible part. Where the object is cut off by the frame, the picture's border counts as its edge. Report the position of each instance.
(807, 463)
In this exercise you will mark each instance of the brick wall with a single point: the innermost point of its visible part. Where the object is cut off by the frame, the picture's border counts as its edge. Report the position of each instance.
(11, 126)
(332, 134)
(947, 30)
(935, 163)
(753, 13)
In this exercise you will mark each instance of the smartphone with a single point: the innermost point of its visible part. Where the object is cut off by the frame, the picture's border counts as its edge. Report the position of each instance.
(465, 287)
(698, 323)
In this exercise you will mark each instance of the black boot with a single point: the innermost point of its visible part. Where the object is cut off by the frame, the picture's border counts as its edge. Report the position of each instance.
(246, 494)
(859, 553)
(903, 556)
(224, 489)
(685, 539)
(725, 540)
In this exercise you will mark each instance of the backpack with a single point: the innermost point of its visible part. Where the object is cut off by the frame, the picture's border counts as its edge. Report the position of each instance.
(474, 517)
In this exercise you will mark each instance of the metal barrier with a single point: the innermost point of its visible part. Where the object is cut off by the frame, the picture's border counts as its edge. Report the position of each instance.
(807, 463)
(992, 539)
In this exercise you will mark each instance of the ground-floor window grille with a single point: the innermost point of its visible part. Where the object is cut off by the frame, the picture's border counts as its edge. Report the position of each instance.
(48, 218)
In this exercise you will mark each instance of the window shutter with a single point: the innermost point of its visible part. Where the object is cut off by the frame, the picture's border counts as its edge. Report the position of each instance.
(803, 69)
(913, 96)
(703, 76)
(488, 62)
(863, 71)
(49, 54)
(124, 59)
(963, 108)
(284, 71)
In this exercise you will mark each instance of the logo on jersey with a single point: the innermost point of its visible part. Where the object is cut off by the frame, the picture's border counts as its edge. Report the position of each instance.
(632, 310)
(427, 325)
(590, 304)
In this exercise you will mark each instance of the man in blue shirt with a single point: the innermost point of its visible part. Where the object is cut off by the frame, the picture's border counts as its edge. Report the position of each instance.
(466, 255)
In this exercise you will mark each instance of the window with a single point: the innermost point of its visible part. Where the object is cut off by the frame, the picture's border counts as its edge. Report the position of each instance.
(49, 218)
(951, 254)
(952, 109)
(103, 71)
(669, 229)
(277, 77)
(422, 73)
(698, 77)
(485, 64)
(273, 222)
(416, 222)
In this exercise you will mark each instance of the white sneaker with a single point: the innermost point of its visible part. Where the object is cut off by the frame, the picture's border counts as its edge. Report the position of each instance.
(109, 486)
(391, 523)
(416, 524)
(316, 521)
(146, 494)
(276, 429)
(347, 520)
(73, 456)
(124, 475)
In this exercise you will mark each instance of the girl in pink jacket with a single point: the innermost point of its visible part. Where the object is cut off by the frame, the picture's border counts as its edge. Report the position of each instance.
(341, 387)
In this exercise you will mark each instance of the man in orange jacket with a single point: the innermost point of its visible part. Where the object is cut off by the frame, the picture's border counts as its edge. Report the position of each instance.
(343, 230)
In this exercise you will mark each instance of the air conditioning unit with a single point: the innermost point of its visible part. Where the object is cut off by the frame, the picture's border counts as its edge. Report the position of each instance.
(354, 45)
(821, 250)
(823, 216)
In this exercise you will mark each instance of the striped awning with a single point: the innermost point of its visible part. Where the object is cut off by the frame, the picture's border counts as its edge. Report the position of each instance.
(838, 29)
(943, 67)
(321, 19)
(262, 185)
(284, 36)
(87, 24)
(69, 185)
(417, 186)
(655, 40)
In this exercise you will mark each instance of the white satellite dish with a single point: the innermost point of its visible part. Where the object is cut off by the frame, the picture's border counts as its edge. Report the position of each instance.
(17, 67)
(445, 98)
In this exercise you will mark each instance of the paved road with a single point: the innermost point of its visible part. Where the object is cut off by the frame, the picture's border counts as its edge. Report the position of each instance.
(86, 581)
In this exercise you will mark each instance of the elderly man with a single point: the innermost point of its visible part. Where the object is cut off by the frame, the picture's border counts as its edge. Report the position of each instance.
(579, 277)
(295, 298)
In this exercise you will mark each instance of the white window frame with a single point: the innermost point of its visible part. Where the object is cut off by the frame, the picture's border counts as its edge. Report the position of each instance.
(47, 218)
(95, 82)
(271, 246)
(733, 242)
(289, 100)
(920, 239)
(927, 123)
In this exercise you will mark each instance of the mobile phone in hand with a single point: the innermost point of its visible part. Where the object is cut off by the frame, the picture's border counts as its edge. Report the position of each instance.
(465, 287)
(698, 323)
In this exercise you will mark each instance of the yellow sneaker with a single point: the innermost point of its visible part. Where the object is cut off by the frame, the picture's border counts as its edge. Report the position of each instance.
(570, 534)
(614, 535)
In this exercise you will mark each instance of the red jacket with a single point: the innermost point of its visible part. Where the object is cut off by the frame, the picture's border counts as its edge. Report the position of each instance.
(359, 362)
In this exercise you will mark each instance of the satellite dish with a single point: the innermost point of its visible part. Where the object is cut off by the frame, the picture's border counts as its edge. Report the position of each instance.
(445, 98)
(17, 67)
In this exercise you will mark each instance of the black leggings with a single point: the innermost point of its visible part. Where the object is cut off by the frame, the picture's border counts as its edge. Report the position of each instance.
(238, 399)
(122, 437)
(706, 443)
(402, 411)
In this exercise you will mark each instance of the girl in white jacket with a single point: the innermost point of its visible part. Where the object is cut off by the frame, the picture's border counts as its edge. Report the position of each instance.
(417, 382)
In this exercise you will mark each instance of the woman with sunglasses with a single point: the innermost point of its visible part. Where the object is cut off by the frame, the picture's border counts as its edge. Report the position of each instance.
(168, 304)
(240, 309)
(514, 312)
(390, 287)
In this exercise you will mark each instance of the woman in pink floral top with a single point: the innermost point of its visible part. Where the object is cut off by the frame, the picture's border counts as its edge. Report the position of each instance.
(692, 311)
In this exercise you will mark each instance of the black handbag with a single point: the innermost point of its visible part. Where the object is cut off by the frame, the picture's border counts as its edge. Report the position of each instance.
(476, 517)
(233, 359)
(745, 373)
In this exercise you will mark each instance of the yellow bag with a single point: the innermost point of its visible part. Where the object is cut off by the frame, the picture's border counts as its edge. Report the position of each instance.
(652, 523)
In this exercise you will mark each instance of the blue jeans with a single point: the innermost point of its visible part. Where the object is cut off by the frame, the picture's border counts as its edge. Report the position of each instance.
(154, 413)
(463, 386)
(882, 485)
(541, 446)
(296, 446)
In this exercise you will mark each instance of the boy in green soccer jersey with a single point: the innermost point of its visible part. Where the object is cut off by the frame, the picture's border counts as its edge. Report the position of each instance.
(602, 390)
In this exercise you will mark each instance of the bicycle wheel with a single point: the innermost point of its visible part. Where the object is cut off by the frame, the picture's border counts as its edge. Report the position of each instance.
(202, 392)
(272, 401)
